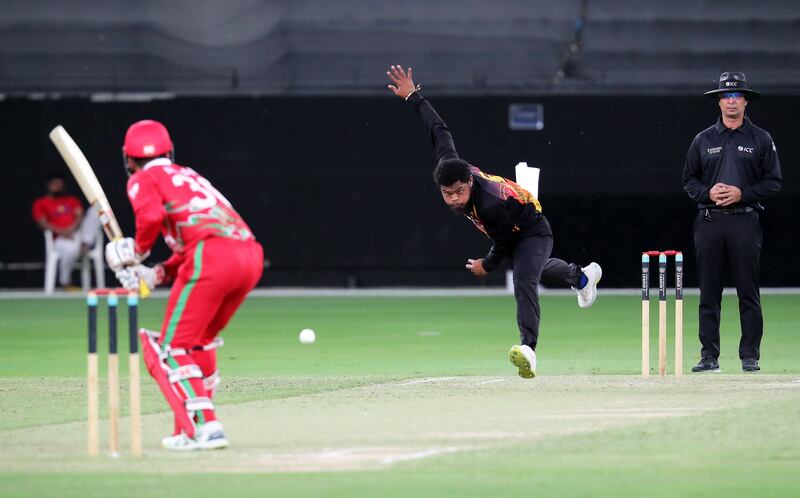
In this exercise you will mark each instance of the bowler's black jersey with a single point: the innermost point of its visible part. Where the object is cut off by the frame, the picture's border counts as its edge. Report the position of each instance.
(745, 157)
(498, 207)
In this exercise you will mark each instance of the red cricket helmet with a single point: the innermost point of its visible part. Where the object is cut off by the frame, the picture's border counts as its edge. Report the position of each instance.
(147, 138)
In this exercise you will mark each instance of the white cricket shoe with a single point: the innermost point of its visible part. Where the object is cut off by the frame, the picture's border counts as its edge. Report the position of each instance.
(210, 436)
(524, 358)
(179, 442)
(588, 295)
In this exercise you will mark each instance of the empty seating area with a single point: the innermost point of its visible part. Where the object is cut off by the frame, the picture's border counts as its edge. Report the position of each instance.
(682, 45)
(313, 47)
(281, 47)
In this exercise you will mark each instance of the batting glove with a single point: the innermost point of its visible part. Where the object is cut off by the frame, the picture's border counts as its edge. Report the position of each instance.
(128, 278)
(121, 253)
(151, 276)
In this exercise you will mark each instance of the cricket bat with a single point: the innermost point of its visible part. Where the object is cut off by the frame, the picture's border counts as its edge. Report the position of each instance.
(84, 175)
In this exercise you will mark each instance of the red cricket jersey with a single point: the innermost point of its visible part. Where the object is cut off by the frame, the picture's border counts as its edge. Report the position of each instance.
(61, 211)
(181, 205)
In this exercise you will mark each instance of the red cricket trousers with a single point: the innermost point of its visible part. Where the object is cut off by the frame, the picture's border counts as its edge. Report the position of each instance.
(210, 286)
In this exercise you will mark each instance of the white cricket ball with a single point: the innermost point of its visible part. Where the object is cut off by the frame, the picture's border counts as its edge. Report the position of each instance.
(307, 336)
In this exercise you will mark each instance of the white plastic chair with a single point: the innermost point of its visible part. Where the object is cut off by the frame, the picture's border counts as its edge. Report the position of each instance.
(94, 256)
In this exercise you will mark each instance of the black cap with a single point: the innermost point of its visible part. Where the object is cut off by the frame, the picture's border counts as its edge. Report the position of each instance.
(733, 82)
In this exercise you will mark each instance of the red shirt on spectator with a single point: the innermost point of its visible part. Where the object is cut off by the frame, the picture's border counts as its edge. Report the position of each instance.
(60, 212)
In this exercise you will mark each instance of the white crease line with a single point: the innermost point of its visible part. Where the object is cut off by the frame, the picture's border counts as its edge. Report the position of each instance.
(333, 453)
(490, 381)
(425, 381)
(417, 455)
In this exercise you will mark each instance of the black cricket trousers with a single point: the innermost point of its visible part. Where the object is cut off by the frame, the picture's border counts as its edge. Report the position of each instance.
(532, 264)
(729, 242)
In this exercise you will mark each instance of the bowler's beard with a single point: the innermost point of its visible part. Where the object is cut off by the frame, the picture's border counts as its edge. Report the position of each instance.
(459, 210)
(57, 193)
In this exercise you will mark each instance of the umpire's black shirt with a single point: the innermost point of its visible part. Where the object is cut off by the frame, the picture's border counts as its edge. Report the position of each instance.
(745, 157)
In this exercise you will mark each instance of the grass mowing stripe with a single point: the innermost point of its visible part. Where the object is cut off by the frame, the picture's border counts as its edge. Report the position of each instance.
(363, 336)
(38, 402)
(659, 458)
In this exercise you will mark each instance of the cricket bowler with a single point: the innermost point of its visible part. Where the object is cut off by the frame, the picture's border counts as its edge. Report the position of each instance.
(510, 216)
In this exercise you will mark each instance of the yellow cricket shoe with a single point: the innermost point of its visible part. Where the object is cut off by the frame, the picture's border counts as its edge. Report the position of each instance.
(523, 358)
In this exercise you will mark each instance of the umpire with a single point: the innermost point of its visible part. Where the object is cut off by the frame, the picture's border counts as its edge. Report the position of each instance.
(730, 168)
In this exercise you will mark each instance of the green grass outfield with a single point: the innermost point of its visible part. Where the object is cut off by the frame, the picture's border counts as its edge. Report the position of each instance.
(408, 396)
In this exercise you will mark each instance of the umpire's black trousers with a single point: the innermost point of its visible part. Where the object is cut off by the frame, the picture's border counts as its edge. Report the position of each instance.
(532, 264)
(729, 242)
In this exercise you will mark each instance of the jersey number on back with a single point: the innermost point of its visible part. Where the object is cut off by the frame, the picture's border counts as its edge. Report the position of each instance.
(209, 195)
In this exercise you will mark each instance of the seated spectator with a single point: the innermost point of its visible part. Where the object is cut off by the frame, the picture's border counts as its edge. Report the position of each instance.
(63, 214)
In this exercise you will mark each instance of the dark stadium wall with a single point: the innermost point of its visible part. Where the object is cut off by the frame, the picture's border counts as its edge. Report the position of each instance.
(339, 190)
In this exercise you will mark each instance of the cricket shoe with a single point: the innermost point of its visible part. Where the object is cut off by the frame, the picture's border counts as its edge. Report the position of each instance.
(750, 365)
(706, 364)
(588, 294)
(523, 358)
(179, 442)
(210, 436)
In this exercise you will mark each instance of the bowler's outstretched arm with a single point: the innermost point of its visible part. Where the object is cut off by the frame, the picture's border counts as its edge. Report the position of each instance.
(404, 87)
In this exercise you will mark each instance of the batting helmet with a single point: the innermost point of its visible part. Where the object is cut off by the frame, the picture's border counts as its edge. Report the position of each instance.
(147, 138)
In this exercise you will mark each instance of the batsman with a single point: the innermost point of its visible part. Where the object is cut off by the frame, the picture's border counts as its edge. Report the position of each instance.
(215, 262)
